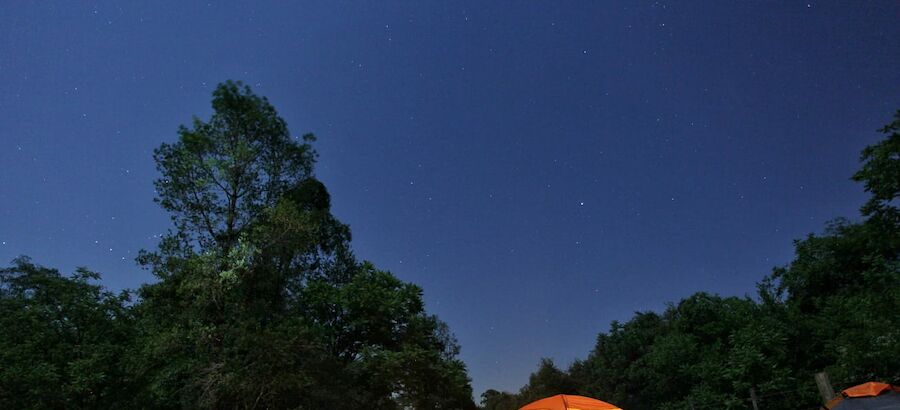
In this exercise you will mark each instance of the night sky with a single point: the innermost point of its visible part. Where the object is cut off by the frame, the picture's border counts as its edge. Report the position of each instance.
(539, 170)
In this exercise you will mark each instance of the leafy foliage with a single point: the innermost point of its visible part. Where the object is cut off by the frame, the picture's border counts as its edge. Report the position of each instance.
(880, 172)
(62, 339)
(835, 307)
(258, 303)
(222, 174)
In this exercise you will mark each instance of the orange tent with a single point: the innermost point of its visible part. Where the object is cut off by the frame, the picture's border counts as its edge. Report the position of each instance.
(569, 402)
(871, 395)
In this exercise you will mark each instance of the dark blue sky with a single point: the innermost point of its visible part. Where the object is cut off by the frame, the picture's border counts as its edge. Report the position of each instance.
(539, 170)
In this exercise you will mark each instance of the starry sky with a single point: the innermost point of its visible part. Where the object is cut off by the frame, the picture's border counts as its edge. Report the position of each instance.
(540, 169)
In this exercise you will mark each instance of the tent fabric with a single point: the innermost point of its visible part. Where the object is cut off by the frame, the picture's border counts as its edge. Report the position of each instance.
(866, 390)
(867, 396)
(569, 402)
(887, 401)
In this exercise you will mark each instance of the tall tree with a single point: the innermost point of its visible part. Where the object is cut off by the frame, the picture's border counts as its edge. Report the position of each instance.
(260, 302)
(222, 174)
(841, 289)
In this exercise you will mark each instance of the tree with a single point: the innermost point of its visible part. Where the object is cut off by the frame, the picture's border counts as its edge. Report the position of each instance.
(608, 371)
(222, 174)
(63, 339)
(260, 302)
(843, 299)
(834, 307)
(880, 172)
(496, 400)
(548, 380)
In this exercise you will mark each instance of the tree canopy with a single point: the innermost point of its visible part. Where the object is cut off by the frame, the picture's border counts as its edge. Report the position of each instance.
(259, 301)
(834, 308)
(63, 339)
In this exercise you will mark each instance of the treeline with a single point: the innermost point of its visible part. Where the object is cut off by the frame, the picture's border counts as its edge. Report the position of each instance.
(834, 308)
(258, 302)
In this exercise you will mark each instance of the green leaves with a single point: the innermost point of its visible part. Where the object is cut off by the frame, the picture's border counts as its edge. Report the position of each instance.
(880, 172)
(62, 340)
(835, 307)
(260, 301)
(221, 174)
(376, 326)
